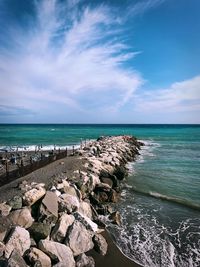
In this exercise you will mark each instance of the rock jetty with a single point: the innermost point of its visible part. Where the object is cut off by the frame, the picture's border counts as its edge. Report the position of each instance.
(57, 226)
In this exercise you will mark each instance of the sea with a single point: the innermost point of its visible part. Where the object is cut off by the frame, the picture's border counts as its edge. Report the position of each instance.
(160, 202)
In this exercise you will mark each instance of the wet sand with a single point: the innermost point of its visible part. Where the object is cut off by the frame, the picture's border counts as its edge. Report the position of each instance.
(113, 258)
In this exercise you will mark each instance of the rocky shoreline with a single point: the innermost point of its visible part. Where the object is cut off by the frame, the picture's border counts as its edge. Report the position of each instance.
(57, 225)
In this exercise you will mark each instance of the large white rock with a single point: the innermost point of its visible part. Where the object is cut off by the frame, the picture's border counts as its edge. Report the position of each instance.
(33, 195)
(61, 227)
(58, 252)
(18, 239)
(36, 256)
(21, 217)
(79, 238)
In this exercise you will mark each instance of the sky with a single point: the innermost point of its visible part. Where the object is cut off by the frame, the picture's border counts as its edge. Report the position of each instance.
(95, 61)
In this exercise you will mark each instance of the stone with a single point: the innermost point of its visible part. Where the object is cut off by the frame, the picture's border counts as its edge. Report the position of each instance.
(107, 181)
(115, 217)
(16, 260)
(18, 239)
(21, 217)
(48, 211)
(38, 258)
(2, 249)
(120, 172)
(59, 253)
(86, 221)
(79, 238)
(70, 190)
(85, 261)
(5, 209)
(100, 244)
(67, 202)
(59, 232)
(15, 202)
(33, 195)
(5, 226)
(85, 209)
(39, 231)
(50, 201)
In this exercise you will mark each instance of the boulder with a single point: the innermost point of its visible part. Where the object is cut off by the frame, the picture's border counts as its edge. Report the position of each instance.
(59, 253)
(86, 221)
(85, 209)
(67, 202)
(21, 217)
(5, 209)
(39, 231)
(59, 232)
(100, 244)
(107, 181)
(120, 172)
(16, 260)
(38, 258)
(33, 195)
(5, 226)
(18, 239)
(48, 211)
(79, 238)
(85, 261)
(115, 217)
(2, 249)
(15, 202)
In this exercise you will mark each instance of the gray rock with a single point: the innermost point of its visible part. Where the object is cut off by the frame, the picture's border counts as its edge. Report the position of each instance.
(5, 209)
(100, 244)
(21, 217)
(58, 252)
(50, 201)
(18, 239)
(15, 202)
(61, 227)
(39, 231)
(48, 212)
(79, 238)
(85, 261)
(38, 258)
(16, 260)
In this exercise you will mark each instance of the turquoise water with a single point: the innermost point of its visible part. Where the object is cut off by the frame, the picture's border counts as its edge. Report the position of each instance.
(160, 202)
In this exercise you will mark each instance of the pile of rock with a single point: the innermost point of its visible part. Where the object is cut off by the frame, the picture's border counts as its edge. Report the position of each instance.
(59, 225)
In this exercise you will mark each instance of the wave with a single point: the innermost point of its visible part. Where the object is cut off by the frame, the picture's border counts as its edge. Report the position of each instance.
(176, 200)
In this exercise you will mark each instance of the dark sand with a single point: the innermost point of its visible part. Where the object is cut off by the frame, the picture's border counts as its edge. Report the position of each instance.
(113, 258)
(47, 174)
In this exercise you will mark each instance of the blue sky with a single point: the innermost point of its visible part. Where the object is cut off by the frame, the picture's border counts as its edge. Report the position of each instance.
(93, 61)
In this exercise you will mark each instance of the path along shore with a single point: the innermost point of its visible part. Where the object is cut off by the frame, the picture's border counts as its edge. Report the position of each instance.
(51, 216)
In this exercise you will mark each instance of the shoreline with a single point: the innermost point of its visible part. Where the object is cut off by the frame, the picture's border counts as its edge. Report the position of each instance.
(84, 161)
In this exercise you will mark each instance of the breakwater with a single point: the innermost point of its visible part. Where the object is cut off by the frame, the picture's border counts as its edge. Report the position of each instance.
(56, 226)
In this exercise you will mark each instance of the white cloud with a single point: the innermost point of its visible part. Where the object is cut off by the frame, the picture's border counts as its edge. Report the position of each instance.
(181, 96)
(66, 54)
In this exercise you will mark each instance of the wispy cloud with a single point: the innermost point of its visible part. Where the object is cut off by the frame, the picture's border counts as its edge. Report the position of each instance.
(65, 54)
(180, 96)
(143, 6)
